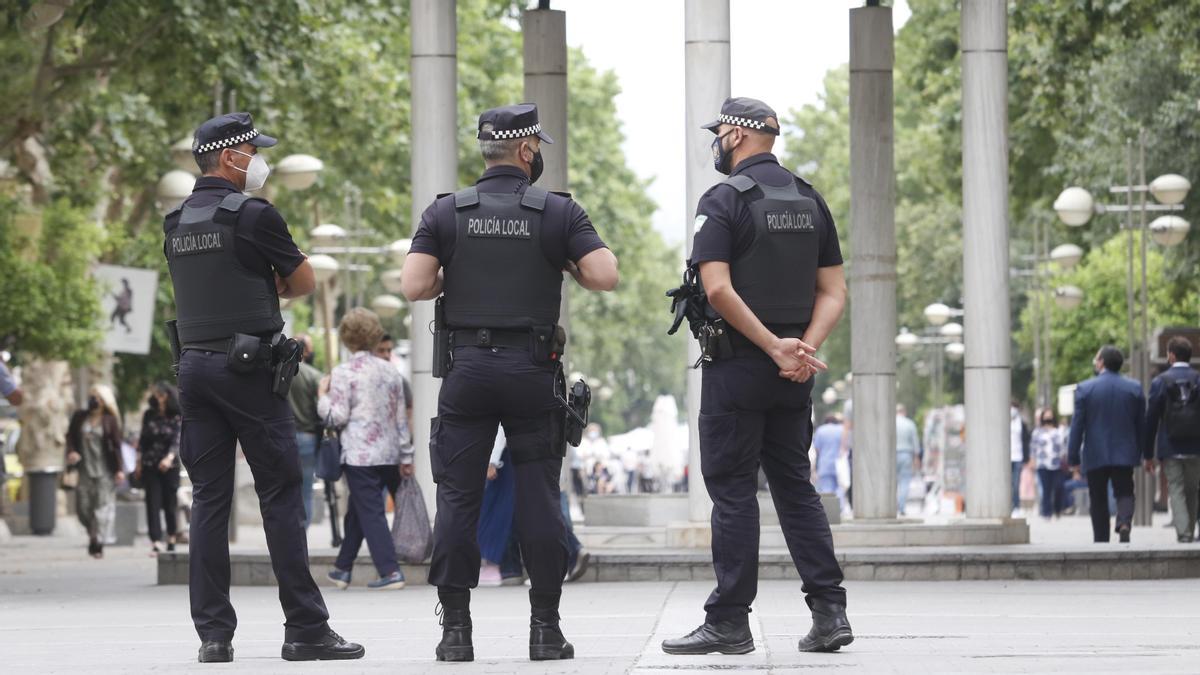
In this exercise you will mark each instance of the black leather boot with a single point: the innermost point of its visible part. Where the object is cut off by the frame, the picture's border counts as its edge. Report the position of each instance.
(830, 630)
(329, 647)
(456, 627)
(213, 651)
(546, 641)
(731, 636)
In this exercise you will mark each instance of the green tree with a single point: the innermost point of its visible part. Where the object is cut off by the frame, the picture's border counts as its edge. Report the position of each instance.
(94, 102)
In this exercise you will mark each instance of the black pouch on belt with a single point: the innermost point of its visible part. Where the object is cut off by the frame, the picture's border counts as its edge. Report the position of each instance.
(547, 344)
(243, 355)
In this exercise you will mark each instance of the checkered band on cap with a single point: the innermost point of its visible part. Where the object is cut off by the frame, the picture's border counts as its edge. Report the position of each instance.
(741, 121)
(500, 135)
(225, 142)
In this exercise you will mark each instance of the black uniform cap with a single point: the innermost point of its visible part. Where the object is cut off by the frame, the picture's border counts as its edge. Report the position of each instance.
(512, 121)
(750, 113)
(226, 131)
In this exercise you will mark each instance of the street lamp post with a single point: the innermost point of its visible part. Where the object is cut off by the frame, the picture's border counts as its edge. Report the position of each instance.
(1075, 207)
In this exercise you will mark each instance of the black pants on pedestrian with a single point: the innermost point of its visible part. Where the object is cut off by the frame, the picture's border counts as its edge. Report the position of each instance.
(220, 410)
(366, 518)
(488, 387)
(751, 417)
(1122, 484)
(160, 488)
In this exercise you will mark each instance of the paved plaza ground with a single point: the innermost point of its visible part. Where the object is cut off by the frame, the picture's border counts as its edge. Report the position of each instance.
(63, 612)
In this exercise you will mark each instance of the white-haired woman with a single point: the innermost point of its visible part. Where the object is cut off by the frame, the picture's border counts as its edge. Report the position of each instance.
(94, 446)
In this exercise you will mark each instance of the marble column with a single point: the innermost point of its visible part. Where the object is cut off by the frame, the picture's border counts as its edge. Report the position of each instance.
(988, 360)
(706, 72)
(434, 170)
(873, 263)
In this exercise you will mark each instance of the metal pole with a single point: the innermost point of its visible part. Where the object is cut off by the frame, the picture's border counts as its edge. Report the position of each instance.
(987, 366)
(873, 263)
(1047, 351)
(1036, 298)
(1145, 484)
(706, 68)
(434, 170)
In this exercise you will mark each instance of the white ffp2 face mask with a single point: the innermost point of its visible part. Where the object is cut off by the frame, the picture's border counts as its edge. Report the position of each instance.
(256, 171)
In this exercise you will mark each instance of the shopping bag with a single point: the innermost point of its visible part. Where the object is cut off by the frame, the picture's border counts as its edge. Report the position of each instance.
(412, 534)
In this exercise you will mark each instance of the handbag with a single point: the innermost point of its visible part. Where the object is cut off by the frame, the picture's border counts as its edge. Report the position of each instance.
(70, 478)
(412, 535)
(329, 454)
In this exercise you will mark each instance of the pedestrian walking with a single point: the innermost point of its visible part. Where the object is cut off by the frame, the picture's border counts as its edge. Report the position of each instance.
(1018, 448)
(158, 464)
(908, 456)
(827, 441)
(496, 252)
(231, 258)
(364, 397)
(94, 448)
(767, 255)
(1106, 438)
(1173, 427)
(1049, 448)
(302, 397)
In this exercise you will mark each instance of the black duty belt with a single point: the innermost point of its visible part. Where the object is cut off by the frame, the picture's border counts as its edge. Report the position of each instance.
(488, 337)
(222, 346)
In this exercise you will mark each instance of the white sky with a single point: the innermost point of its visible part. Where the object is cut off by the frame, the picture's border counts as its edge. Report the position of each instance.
(782, 61)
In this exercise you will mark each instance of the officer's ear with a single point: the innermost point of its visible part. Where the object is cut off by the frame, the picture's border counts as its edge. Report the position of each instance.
(526, 146)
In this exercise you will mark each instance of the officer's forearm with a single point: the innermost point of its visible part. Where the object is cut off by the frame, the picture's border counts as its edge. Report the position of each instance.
(736, 313)
(827, 311)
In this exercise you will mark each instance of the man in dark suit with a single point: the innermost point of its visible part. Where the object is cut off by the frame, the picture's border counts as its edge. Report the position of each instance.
(1178, 445)
(1106, 433)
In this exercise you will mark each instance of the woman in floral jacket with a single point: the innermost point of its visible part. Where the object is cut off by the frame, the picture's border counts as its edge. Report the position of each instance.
(364, 398)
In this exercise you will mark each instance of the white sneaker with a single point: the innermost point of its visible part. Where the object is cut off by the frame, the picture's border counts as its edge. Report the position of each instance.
(489, 575)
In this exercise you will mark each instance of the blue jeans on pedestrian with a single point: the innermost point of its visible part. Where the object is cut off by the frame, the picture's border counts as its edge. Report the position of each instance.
(1053, 482)
(904, 473)
(307, 445)
(827, 483)
(366, 518)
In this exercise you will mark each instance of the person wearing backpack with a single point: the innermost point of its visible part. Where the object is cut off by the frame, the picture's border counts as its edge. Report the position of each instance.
(1173, 420)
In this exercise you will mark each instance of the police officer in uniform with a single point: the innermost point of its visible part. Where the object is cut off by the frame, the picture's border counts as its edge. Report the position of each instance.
(231, 258)
(771, 267)
(496, 253)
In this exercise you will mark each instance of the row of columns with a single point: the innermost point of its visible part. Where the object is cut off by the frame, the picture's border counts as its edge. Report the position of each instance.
(872, 239)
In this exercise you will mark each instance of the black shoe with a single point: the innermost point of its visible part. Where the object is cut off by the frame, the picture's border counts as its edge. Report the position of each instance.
(546, 641)
(830, 630)
(455, 612)
(1123, 531)
(212, 651)
(331, 647)
(724, 637)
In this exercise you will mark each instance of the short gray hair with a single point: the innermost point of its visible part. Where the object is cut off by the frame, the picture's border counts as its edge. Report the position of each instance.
(208, 161)
(495, 150)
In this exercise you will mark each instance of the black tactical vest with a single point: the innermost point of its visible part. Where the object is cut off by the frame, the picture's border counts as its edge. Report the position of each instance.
(499, 275)
(215, 295)
(777, 275)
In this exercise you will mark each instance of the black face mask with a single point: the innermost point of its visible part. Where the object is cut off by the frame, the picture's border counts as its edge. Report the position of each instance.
(93, 403)
(722, 158)
(153, 402)
(536, 167)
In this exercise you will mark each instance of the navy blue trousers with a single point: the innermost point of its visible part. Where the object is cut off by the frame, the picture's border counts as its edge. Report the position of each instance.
(751, 417)
(221, 409)
(366, 518)
(488, 387)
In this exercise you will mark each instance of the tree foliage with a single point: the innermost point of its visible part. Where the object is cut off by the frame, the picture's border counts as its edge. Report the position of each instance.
(94, 102)
(1084, 77)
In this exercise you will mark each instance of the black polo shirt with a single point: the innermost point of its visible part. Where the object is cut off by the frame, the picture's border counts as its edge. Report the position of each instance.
(569, 231)
(263, 243)
(724, 230)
